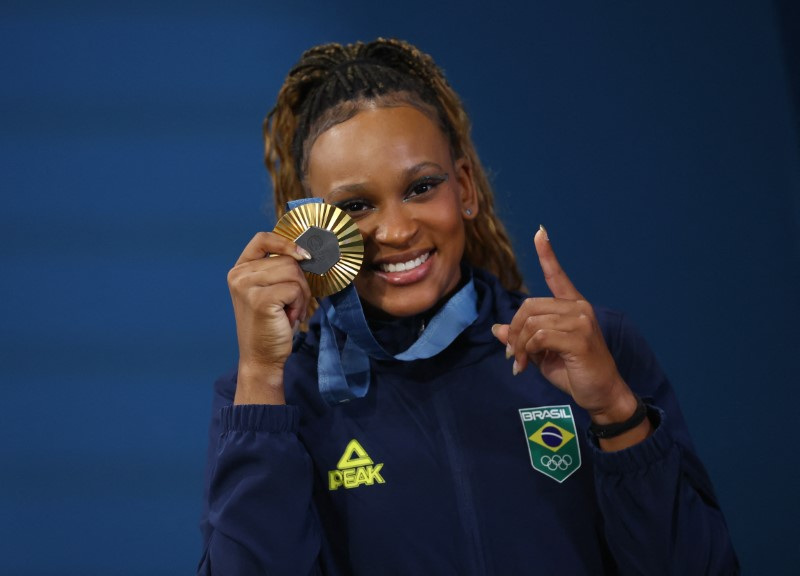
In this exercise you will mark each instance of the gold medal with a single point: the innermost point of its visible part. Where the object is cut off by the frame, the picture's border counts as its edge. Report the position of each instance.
(333, 240)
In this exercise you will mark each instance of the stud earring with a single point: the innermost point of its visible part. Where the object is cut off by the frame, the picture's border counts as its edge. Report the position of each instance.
(468, 212)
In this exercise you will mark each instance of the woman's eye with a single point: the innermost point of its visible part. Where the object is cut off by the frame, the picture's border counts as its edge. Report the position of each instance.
(426, 185)
(352, 206)
(422, 188)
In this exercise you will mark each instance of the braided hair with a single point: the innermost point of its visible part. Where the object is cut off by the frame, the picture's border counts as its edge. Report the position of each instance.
(333, 82)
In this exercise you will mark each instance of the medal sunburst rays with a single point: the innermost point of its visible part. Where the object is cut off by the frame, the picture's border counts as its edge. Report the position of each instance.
(335, 244)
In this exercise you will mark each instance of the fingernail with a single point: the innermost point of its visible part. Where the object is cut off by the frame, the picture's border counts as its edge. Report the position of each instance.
(509, 351)
(495, 328)
(515, 368)
(546, 236)
(303, 252)
(296, 327)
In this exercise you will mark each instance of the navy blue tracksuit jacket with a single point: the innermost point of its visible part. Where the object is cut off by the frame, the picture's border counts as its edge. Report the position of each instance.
(432, 472)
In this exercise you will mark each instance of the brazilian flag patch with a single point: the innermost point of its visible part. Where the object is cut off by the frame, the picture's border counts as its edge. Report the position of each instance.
(552, 442)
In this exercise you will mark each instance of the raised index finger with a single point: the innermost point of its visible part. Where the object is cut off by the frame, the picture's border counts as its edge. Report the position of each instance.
(557, 280)
(266, 243)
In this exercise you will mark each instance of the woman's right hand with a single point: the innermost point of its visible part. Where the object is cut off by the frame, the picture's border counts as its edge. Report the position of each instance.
(270, 298)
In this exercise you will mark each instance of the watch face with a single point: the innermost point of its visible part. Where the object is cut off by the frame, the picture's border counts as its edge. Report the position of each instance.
(333, 240)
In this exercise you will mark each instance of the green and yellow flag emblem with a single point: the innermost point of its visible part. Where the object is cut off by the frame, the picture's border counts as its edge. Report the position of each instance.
(552, 444)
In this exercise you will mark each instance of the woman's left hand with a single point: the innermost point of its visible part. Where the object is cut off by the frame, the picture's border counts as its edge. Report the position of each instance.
(562, 337)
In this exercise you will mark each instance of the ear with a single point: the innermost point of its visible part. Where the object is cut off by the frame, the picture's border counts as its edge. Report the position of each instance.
(468, 194)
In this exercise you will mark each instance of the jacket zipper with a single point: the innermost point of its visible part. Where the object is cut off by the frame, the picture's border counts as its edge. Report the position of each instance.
(463, 489)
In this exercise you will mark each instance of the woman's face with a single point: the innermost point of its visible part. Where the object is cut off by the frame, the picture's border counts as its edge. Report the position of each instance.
(392, 171)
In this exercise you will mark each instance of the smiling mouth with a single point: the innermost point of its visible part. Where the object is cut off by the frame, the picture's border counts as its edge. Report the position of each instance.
(404, 266)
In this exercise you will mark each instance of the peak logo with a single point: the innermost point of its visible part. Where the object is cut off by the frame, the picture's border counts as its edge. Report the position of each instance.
(355, 468)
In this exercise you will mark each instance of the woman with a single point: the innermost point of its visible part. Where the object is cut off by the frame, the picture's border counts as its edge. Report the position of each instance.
(462, 459)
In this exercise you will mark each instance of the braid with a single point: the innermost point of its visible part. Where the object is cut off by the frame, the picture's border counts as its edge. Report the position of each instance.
(333, 79)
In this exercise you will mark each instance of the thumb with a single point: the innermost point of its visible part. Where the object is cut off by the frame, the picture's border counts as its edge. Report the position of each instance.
(500, 331)
(557, 280)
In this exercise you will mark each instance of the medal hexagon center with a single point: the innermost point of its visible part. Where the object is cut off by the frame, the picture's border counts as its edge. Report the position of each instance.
(324, 249)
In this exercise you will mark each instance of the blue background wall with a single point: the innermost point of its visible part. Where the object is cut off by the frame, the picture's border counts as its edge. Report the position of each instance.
(655, 141)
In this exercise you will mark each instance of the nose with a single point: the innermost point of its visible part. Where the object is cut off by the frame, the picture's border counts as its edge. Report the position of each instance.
(397, 226)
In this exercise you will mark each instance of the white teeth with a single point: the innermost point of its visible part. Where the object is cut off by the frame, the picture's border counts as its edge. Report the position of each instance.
(403, 266)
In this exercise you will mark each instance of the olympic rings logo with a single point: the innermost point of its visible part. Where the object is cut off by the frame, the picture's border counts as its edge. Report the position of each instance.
(556, 462)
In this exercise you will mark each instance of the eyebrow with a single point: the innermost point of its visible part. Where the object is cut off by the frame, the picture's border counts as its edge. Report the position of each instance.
(408, 173)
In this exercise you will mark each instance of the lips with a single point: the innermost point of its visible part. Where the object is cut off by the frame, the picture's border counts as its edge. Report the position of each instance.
(404, 266)
(405, 269)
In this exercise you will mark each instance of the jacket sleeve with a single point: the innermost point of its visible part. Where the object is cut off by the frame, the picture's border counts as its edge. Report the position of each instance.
(660, 512)
(258, 516)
